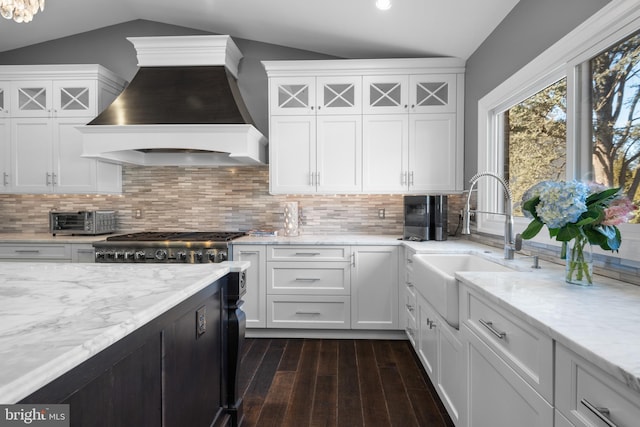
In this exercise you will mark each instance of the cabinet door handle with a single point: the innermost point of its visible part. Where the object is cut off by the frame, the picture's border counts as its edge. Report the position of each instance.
(311, 313)
(306, 279)
(48, 178)
(411, 178)
(602, 413)
(318, 178)
(353, 259)
(247, 252)
(311, 179)
(54, 178)
(5, 178)
(494, 331)
(409, 307)
(307, 253)
(27, 251)
(403, 178)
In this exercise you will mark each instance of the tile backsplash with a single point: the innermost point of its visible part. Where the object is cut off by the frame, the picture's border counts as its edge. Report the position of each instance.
(181, 198)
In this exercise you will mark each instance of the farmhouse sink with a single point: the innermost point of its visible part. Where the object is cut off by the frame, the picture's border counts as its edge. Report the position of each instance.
(434, 277)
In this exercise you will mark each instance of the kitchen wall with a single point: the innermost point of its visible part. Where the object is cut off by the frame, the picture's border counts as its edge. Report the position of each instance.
(178, 198)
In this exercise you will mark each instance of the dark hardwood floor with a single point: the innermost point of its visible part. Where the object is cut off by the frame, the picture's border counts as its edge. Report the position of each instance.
(350, 383)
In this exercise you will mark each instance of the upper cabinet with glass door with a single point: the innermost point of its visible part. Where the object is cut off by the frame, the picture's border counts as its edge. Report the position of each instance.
(316, 95)
(415, 93)
(47, 98)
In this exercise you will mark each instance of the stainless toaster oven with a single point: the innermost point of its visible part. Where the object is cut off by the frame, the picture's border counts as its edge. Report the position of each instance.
(82, 222)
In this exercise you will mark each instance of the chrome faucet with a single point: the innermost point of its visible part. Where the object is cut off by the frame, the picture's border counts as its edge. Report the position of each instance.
(510, 246)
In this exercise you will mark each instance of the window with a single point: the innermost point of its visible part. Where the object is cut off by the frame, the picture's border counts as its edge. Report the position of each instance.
(586, 86)
(615, 133)
(535, 140)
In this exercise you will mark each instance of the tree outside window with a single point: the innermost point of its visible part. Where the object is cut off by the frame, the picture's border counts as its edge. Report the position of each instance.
(535, 135)
(615, 92)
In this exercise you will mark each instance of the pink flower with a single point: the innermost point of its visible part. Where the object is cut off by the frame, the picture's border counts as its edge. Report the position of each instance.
(620, 210)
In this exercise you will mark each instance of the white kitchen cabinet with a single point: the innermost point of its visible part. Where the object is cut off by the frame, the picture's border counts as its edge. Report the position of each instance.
(308, 287)
(315, 95)
(44, 146)
(47, 252)
(408, 308)
(5, 154)
(401, 133)
(510, 358)
(374, 289)
(255, 299)
(316, 155)
(411, 153)
(441, 353)
(497, 395)
(587, 396)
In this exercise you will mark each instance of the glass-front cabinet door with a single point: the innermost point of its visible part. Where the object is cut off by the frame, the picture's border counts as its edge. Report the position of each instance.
(433, 93)
(74, 99)
(386, 94)
(339, 95)
(31, 99)
(293, 96)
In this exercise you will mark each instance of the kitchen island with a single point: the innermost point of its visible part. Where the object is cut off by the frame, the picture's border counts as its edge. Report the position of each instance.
(152, 330)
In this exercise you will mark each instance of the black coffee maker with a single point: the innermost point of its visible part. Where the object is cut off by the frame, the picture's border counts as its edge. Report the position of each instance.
(425, 218)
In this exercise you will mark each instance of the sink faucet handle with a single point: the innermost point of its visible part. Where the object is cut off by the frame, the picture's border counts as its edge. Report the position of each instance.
(518, 246)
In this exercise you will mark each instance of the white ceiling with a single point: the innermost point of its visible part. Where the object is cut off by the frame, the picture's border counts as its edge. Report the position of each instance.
(344, 28)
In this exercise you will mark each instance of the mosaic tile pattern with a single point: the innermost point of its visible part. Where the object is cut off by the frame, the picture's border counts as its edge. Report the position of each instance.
(180, 198)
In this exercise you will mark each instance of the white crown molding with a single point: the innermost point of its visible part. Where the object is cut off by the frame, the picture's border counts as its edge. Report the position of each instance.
(167, 51)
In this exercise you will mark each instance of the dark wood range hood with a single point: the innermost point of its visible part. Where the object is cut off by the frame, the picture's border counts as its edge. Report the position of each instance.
(182, 108)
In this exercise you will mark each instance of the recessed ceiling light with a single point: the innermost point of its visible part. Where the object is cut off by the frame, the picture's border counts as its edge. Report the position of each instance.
(383, 4)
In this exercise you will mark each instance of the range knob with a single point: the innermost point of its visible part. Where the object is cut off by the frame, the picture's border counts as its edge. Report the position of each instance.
(212, 255)
(181, 256)
(198, 256)
(100, 255)
(222, 256)
(128, 255)
(161, 254)
(139, 255)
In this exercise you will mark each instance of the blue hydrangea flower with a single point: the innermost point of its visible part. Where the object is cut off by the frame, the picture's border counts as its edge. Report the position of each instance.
(561, 202)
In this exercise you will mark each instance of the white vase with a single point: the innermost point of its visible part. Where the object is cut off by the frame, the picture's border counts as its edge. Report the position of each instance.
(291, 225)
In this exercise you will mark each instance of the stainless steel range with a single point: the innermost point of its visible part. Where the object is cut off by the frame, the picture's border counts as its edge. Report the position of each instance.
(166, 247)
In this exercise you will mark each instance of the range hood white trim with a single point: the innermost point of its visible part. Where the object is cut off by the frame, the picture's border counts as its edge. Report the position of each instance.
(213, 145)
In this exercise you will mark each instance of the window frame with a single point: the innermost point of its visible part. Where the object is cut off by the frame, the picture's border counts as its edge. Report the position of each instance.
(568, 58)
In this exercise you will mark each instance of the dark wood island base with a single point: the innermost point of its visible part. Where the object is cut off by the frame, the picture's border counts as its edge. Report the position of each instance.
(180, 369)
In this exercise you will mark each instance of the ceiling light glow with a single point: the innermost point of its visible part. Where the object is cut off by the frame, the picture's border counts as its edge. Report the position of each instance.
(383, 4)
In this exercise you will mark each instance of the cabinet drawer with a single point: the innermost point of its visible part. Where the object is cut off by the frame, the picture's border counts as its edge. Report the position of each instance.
(308, 253)
(527, 350)
(308, 311)
(28, 252)
(410, 301)
(324, 278)
(587, 396)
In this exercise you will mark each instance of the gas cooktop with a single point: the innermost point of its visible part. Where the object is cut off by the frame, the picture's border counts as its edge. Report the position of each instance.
(177, 236)
(166, 246)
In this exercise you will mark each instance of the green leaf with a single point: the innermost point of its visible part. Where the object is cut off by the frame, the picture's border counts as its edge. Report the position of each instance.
(530, 206)
(532, 229)
(568, 232)
(602, 196)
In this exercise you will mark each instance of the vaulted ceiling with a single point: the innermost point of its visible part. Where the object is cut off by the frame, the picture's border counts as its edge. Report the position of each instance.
(343, 28)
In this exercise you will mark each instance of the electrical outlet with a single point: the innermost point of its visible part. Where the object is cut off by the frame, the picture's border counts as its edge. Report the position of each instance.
(201, 321)
(381, 213)
(137, 213)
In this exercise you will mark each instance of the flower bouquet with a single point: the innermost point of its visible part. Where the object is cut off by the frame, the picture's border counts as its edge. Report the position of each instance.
(578, 214)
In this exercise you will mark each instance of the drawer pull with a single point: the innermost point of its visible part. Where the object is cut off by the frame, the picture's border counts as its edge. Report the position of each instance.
(310, 313)
(306, 279)
(602, 413)
(27, 251)
(494, 331)
(307, 253)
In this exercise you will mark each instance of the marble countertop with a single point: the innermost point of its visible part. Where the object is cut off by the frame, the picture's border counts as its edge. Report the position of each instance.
(56, 316)
(49, 238)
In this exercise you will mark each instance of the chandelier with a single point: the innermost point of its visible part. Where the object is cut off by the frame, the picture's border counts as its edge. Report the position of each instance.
(20, 10)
